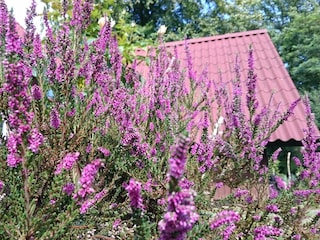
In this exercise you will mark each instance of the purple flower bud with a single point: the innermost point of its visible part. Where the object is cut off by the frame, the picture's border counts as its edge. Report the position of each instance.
(178, 159)
(55, 119)
(36, 92)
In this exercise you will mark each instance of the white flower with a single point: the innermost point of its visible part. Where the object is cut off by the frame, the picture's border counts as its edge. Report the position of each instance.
(162, 30)
(102, 21)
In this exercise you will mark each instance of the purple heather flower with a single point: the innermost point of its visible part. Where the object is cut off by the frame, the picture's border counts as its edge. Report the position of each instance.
(180, 216)
(228, 218)
(3, 21)
(178, 159)
(290, 110)
(273, 193)
(87, 177)
(13, 159)
(67, 162)
(293, 210)
(134, 192)
(116, 223)
(219, 184)
(68, 188)
(105, 151)
(113, 205)
(296, 237)
(35, 140)
(55, 121)
(303, 193)
(297, 161)
(252, 102)
(88, 148)
(224, 218)
(185, 183)
(148, 185)
(241, 192)
(272, 208)
(13, 42)
(1, 185)
(280, 183)
(262, 232)
(17, 75)
(90, 202)
(161, 201)
(30, 28)
(314, 230)
(276, 154)
(311, 158)
(37, 49)
(86, 205)
(36, 92)
(81, 14)
(256, 217)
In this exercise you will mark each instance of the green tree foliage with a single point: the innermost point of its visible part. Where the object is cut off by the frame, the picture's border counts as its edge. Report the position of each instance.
(299, 45)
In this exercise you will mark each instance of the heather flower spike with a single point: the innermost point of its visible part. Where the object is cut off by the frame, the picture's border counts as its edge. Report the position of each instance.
(181, 213)
(178, 160)
(134, 192)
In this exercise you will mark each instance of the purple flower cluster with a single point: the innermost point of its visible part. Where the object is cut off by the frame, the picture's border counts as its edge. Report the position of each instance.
(184, 183)
(252, 102)
(3, 23)
(17, 76)
(180, 216)
(178, 159)
(13, 157)
(67, 162)
(134, 192)
(241, 192)
(304, 193)
(1, 185)
(273, 192)
(311, 158)
(68, 188)
(227, 218)
(35, 140)
(104, 151)
(55, 121)
(87, 177)
(90, 202)
(275, 155)
(262, 232)
(272, 208)
(281, 184)
(36, 92)
(81, 14)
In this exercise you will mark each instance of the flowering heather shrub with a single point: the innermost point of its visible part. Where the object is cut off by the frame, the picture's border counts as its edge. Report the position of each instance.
(81, 124)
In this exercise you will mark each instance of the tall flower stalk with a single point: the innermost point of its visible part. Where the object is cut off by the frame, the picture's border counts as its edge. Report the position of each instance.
(181, 212)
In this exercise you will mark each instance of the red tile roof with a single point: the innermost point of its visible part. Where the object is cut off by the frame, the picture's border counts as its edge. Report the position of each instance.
(20, 30)
(217, 55)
